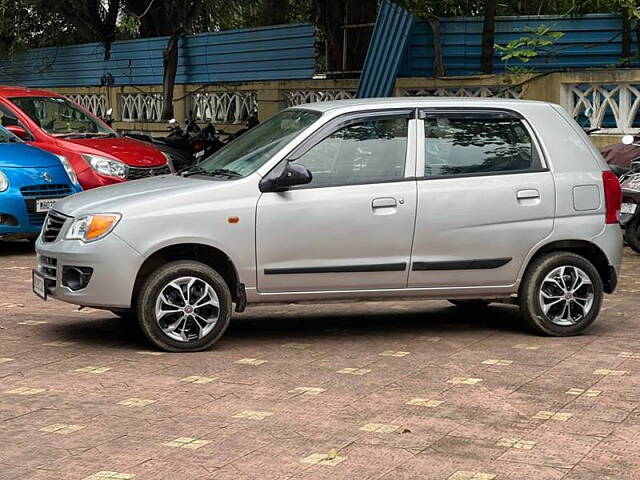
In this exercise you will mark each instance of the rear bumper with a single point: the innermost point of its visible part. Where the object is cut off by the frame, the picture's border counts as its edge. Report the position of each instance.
(115, 266)
(611, 243)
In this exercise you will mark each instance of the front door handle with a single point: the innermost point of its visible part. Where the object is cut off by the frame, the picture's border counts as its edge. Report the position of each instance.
(384, 202)
(531, 193)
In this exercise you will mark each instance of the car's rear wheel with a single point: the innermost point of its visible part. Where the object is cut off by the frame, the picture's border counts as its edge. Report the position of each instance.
(184, 306)
(561, 294)
(470, 303)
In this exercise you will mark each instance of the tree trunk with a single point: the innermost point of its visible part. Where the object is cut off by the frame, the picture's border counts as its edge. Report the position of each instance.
(329, 18)
(170, 61)
(488, 36)
(438, 63)
(626, 38)
(359, 12)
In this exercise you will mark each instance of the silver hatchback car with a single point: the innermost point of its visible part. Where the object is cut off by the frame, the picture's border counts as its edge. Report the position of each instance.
(471, 200)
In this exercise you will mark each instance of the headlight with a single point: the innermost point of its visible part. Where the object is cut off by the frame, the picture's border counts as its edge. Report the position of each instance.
(92, 227)
(107, 166)
(68, 168)
(4, 182)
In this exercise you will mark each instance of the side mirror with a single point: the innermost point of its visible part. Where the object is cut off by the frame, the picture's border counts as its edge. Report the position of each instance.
(172, 121)
(109, 112)
(627, 139)
(292, 175)
(19, 132)
(635, 166)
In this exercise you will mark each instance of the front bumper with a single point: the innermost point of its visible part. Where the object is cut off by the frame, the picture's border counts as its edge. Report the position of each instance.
(115, 266)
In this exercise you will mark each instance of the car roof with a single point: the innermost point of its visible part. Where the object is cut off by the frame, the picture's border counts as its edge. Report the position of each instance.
(346, 106)
(22, 91)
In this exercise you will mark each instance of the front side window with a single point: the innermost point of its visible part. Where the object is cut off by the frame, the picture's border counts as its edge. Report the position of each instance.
(58, 116)
(468, 145)
(370, 151)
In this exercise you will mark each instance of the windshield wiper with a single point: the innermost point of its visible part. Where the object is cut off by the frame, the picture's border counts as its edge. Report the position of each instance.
(218, 172)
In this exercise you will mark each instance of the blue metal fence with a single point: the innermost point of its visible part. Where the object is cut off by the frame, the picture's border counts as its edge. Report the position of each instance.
(589, 41)
(271, 53)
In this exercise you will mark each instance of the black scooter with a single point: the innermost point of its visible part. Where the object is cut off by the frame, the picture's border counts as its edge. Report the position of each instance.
(630, 209)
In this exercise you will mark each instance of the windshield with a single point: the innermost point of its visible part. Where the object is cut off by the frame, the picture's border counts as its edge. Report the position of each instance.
(58, 116)
(7, 137)
(249, 152)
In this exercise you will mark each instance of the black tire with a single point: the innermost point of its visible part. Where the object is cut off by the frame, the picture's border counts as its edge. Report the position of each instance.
(158, 280)
(528, 296)
(470, 304)
(632, 234)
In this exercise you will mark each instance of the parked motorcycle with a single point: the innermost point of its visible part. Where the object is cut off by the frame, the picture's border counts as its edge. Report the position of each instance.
(630, 184)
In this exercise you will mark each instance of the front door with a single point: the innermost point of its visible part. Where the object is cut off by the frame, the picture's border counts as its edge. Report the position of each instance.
(485, 199)
(352, 226)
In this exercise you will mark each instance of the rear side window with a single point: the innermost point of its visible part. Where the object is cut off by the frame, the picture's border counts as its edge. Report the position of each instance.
(475, 145)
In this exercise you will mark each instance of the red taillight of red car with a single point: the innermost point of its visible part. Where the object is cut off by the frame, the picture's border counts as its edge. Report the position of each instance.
(612, 196)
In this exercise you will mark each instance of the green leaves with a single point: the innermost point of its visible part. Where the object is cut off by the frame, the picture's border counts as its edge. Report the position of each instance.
(527, 47)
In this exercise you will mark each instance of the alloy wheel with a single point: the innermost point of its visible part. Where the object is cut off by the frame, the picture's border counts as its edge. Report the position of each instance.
(187, 309)
(566, 295)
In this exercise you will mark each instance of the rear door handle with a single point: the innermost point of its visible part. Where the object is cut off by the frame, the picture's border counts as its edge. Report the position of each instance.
(384, 202)
(532, 193)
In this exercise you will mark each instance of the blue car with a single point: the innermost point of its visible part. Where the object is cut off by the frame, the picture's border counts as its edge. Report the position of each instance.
(31, 180)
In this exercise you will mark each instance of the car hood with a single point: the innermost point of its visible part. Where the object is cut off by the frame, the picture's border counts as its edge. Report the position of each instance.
(21, 155)
(120, 197)
(132, 152)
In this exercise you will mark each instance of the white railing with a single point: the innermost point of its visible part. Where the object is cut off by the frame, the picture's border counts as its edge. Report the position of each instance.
(298, 97)
(96, 103)
(141, 106)
(484, 91)
(223, 107)
(616, 102)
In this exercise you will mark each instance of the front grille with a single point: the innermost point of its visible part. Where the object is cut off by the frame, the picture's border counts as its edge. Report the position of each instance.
(52, 226)
(35, 192)
(48, 267)
(136, 173)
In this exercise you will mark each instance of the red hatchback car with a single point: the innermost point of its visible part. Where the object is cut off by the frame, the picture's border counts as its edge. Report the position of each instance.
(98, 154)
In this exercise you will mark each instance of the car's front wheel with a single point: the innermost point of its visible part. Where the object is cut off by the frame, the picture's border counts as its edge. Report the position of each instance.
(561, 294)
(184, 306)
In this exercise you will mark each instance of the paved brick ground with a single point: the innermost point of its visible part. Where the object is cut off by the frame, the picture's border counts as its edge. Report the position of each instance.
(362, 390)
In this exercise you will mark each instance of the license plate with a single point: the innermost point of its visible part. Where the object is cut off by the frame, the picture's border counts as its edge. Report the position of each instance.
(629, 208)
(39, 284)
(45, 205)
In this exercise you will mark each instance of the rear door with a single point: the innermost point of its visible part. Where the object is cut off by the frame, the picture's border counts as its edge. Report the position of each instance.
(485, 199)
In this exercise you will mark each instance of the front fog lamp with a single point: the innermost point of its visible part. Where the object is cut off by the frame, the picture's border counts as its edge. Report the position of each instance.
(92, 227)
(107, 166)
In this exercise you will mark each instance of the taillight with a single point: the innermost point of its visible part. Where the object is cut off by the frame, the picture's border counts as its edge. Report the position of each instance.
(612, 196)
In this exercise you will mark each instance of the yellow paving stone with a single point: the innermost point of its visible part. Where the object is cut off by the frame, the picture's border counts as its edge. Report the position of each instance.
(547, 415)
(354, 371)
(197, 379)
(323, 459)
(150, 352)
(252, 415)
(464, 381)
(424, 402)
(108, 475)
(6, 359)
(187, 442)
(11, 305)
(634, 355)
(299, 346)
(25, 391)
(58, 344)
(91, 369)
(250, 361)
(613, 373)
(493, 361)
(467, 475)
(33, 322)
(307, 390)
(581, 391)
(393, 353)
(516, 443)
(526, 346)
(136, 402)
(379, 428)
(62, 428)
